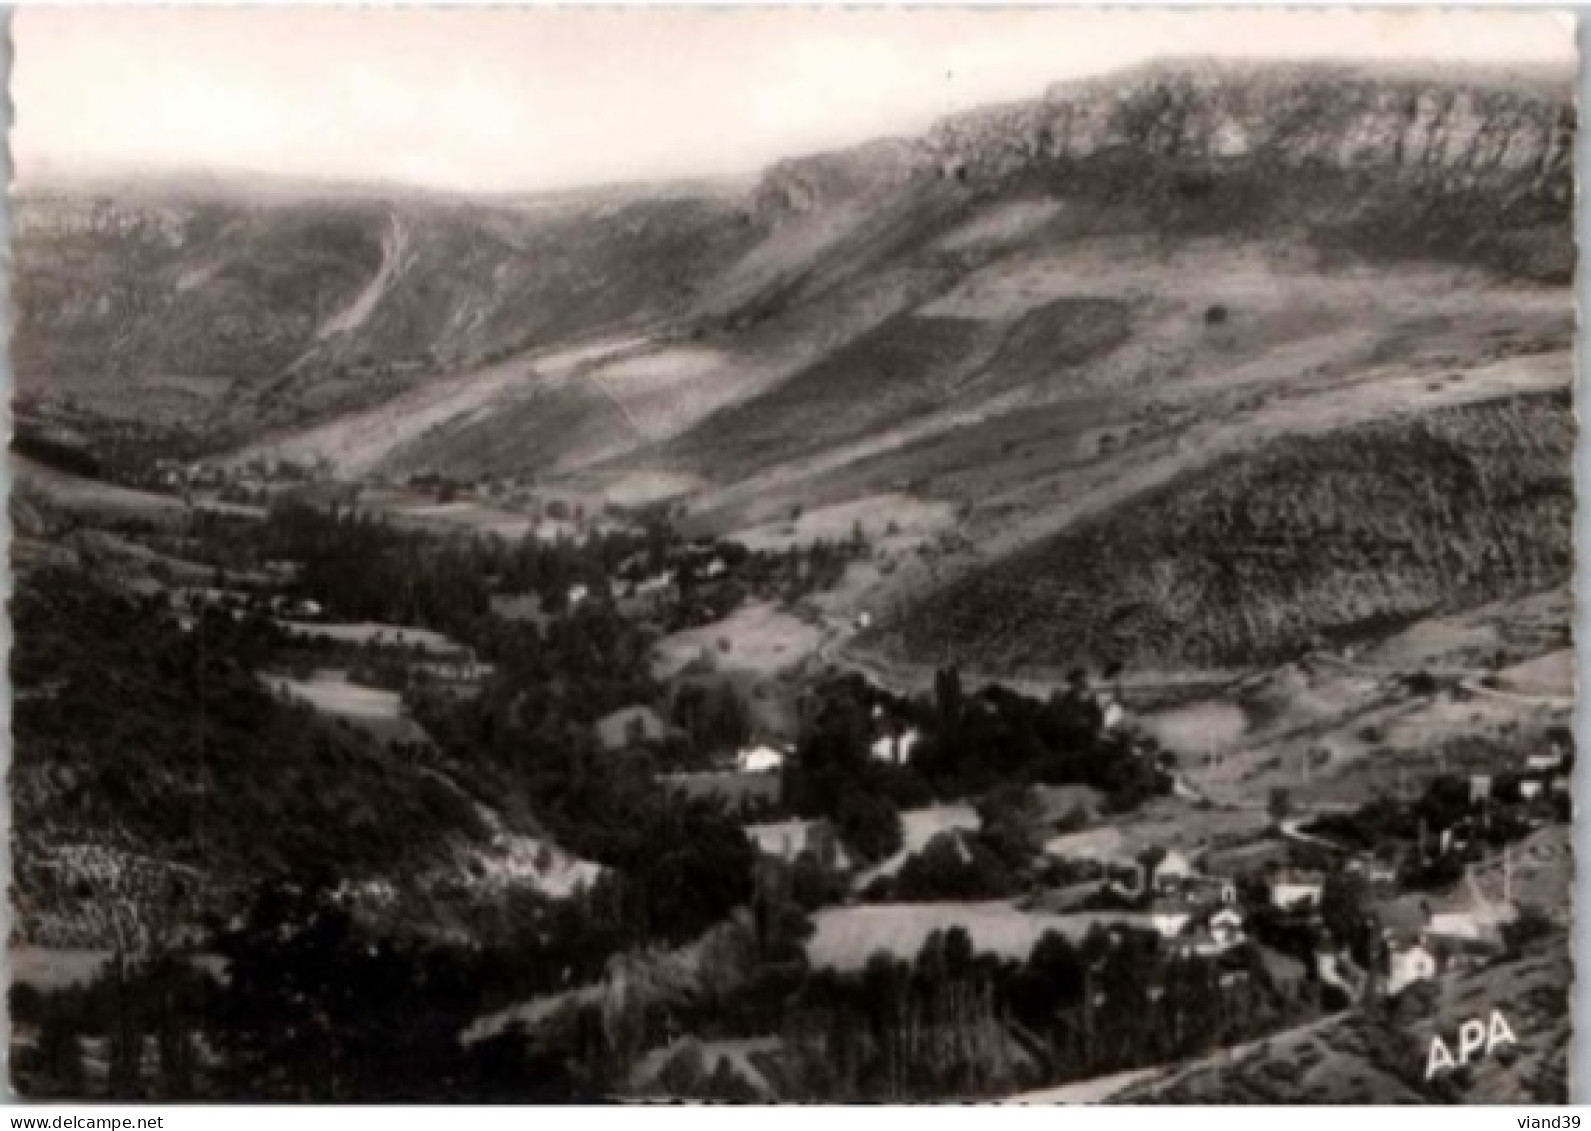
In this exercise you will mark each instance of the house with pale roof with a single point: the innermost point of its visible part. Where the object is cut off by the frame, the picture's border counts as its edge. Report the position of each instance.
(1543, 763)
(1212, 934)
(896, 748)
(1407, 965)
(1171, 916)
(759, 760)
(1293, 890)
(1466, 927)
(1213, 889)
(1226, 926)
(1173, 872)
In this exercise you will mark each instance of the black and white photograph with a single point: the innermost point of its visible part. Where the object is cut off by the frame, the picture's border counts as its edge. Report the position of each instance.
(791, 555)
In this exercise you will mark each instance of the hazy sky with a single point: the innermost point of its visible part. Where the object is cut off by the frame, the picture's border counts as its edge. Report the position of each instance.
(495, 99)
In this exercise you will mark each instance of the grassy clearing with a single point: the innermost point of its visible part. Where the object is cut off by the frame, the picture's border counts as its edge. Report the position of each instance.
(1166, 822)
(844, 937)
(330, 691)
(759, 637)
(380, 635)
(890, 522)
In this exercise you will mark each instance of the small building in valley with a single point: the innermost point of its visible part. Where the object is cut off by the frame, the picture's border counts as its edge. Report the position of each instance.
(1408, 964)
(1170, 917)
(759, 760)
(1174, 872)
(896, 748)
(1295, 891)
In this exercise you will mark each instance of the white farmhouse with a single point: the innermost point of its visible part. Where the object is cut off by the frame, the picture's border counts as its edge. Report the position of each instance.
(1408, 965)
(1173, 871)
(896, 748)
(1294, 890)
(759, 760)
(1170, 917)
(1539, 763)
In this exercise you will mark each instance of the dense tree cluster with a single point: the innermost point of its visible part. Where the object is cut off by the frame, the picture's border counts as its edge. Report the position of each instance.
(168, 741)
(973, 1024)
(966, 745)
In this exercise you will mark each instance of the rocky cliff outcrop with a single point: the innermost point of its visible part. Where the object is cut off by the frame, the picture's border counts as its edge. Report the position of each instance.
(1345, 146)
(1469, 131)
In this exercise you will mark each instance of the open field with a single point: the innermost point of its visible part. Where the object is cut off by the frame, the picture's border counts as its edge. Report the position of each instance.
(1198, 727)
(761, 638)
(891, 523)
(1493, 635)
(377, 712)
(1101, 844)
(1551, 676)
(77, 494)
(330, 691)
(459, 516)
(1165, 822)
(844, 937)
(377, 635)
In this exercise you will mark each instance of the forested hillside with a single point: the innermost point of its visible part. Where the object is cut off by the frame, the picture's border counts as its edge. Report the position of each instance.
(1341, 536)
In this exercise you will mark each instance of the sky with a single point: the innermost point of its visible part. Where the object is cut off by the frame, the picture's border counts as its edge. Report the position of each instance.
(500, 99)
